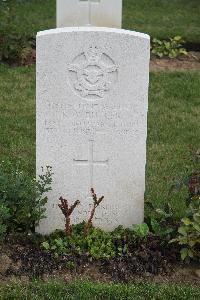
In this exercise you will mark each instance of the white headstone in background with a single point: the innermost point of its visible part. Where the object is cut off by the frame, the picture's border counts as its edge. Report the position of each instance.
(92, 97)
(102, 13)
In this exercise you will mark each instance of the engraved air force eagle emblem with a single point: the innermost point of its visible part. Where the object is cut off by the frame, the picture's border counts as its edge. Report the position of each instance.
(92, 74)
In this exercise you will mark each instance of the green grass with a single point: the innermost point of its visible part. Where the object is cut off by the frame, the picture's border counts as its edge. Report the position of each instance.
(159, 18)
(164, 18)
(17, 119)
(87, 291)
(173, 125)
(30, 16)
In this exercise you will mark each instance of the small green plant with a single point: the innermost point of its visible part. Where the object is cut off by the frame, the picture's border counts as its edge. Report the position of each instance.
(58, 246)
(120, 240)
(70, 265)
(100, 244)
(97, 244)
(189, 233)
(189, 230)
(23, 196)
(171, 48)
(162, 222)
(140, 231)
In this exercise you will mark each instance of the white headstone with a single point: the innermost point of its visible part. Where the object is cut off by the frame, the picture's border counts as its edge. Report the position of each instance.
(102, 13)
(92, 97)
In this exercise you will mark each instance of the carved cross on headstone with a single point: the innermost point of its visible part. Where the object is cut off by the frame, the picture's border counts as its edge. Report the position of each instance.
(90, 9)
(91, 162)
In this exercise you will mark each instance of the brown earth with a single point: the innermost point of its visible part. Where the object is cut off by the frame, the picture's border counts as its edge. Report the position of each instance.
(189, 62)
(179, 274)
(24, 260)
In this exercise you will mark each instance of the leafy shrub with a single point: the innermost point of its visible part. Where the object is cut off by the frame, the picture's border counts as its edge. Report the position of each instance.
(162, 222)
(189, 229)
(23, 197)
(171, 48)
(97, 244)
(15, 47)
(189, 233)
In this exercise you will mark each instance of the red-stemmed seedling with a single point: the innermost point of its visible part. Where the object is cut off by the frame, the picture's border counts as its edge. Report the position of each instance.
(67, 211)
(96, 203)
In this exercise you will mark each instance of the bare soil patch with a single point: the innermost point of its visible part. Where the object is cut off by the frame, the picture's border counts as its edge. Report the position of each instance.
(23, 260)
(190, 62)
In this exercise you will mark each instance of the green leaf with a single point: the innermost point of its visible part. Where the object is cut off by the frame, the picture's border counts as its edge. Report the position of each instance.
(186, 221)
(45, 245)
(173, 241)
(196, 227)
(182, 240)
(190, 253)
(53, 247)
(183, 51)
(184, 253)
(167, 45)
(196, 217)
(182, 230)
(160, 54)
(155, 226)
(141, 230)
(177, 38)
(192, 243)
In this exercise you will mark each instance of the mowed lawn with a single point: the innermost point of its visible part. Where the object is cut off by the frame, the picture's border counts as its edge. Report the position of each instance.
(93, 291)
(159, 18)
(173, 126)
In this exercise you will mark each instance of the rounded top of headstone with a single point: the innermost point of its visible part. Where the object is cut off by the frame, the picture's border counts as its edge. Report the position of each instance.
(93, 29)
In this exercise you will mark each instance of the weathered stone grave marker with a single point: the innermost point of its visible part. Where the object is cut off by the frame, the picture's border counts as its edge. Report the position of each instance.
(103, 13)
(92, 90)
